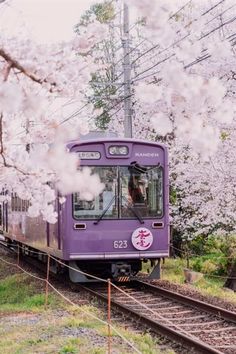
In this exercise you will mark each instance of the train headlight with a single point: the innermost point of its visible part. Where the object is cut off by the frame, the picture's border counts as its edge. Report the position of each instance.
(118, 150)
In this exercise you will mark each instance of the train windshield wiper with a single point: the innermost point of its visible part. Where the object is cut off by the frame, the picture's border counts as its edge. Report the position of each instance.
(135, 212)
(105, 210)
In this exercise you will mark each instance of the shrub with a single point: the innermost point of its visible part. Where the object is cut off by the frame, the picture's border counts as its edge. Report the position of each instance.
(209, 267)
(197, 245)
(215, 264)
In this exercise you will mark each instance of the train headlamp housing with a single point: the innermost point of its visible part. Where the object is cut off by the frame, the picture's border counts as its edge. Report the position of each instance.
(118, 150)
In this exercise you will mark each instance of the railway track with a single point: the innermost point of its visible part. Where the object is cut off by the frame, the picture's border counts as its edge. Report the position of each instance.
(197, 325)
(6, 248)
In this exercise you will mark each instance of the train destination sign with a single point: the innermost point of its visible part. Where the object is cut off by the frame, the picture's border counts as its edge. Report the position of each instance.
(147, 154)
(89, 155)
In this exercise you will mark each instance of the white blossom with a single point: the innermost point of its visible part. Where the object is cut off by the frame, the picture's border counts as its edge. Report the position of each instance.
(161, 123)
(10, 97)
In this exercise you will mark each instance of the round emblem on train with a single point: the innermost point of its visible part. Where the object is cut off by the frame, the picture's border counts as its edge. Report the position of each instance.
(142, 239)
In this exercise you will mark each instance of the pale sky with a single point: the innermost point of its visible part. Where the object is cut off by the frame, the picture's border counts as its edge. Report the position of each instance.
(46, 20)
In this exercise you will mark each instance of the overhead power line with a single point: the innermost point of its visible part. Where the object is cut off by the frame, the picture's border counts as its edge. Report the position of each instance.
(179, 10)
(219, 15)
(188, 65)
(212, 8)
(218, 27)
(153, 66)
(181, 39)
(141, 75)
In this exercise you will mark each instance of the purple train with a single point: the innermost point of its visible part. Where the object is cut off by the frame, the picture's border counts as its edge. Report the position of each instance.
(111, 236)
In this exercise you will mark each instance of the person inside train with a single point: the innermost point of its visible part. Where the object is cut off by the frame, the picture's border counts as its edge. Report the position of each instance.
(136, 189)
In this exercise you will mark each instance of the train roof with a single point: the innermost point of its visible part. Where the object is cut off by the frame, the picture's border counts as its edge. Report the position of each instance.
(99, 137)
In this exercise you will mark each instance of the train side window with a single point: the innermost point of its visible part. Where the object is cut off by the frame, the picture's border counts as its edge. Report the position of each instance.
(18, 205)
(0, 214)
(13, 202)
(27, 205)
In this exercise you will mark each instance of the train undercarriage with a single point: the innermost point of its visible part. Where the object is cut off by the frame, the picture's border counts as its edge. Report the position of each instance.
(89, 270)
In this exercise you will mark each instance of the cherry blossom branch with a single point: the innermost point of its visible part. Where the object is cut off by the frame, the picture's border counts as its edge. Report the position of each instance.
(15, 64)
(7, 72)
(5, 163)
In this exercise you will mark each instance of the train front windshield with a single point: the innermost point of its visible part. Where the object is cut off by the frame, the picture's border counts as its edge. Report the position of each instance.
(128, 194)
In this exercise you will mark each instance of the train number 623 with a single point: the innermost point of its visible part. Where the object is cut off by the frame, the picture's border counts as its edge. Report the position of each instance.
(120, 244)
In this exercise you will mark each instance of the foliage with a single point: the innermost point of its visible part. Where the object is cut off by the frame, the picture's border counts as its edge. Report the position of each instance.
(198, 245)
(173, 195)
(101, 95)
(102, 12)
(212, 254)
(215, 264)
(215, 244)
(101, 81)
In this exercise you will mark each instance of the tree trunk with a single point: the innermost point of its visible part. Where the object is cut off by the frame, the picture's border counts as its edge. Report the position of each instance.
(230, 282)
(176, 242)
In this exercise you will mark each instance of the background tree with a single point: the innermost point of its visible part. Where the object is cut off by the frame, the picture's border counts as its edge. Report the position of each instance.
(183, 91)
(196, 95)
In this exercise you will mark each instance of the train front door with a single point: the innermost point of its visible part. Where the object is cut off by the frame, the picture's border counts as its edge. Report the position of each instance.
(52, 236)
(53, 231)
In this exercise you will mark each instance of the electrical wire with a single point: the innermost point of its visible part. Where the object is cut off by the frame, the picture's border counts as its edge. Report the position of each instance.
(222, 13)
(137, 77)
(218, 27)
(186, 66)
(153, 66)
(178, 41)
(178, 11)
(110, 84)
(212, 8)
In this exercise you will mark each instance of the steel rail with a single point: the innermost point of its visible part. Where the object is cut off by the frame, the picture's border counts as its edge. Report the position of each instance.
(185, 300)
(155, 326)
(7, 247)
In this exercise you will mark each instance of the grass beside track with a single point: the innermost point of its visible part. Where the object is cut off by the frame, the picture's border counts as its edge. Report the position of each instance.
(26, 327)
(19, 293)
(172, 270)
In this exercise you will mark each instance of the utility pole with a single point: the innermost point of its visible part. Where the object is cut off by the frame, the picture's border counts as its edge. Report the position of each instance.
(127, 74)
